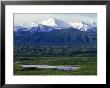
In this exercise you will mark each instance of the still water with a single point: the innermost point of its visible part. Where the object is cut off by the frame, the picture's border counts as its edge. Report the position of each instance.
(54, 67)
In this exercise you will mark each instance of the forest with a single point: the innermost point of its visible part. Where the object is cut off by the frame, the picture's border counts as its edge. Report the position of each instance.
(54, 50)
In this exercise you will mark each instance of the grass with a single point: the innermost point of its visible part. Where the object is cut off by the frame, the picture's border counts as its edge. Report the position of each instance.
(88, 65)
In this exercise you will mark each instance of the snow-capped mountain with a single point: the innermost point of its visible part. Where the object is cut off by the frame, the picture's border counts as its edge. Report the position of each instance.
(79, 25)
(56, 24)
(82, 26)
(20, 28)
(49, 22)
(93, 24)
(34, 24)
(92, 27)
(56, 32)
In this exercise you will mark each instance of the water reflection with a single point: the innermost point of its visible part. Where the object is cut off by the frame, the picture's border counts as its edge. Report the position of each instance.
(47, 66)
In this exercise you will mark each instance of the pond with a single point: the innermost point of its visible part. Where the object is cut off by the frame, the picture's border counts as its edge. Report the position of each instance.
(54, 67)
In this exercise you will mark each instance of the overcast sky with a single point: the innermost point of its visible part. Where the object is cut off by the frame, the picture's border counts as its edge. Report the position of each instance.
(26, 19)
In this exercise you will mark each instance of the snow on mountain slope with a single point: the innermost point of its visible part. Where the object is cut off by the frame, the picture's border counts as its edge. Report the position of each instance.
(55, 24)
(33, 24)
(58, 24)
(92, 27)
(79, 25)
(49, 22)
(93, 24)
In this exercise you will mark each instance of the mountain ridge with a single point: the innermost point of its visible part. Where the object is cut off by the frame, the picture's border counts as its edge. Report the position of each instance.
(56, 24)
(57, 34)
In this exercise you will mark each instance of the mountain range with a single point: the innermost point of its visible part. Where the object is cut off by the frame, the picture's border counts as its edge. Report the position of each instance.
(56, 32)
(56, 24)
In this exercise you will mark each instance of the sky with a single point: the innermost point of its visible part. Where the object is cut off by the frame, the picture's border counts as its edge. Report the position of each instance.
(27, 18)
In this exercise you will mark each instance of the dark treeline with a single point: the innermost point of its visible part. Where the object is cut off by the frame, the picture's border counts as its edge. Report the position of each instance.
(54, 50)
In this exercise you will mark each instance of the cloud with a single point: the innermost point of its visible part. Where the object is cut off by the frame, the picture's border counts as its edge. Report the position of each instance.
(27, 19)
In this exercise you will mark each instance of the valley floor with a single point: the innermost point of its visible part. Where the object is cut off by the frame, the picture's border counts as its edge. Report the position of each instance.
(87, 64)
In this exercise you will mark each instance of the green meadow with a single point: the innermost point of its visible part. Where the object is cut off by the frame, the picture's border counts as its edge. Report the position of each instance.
(88, 65)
